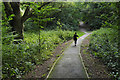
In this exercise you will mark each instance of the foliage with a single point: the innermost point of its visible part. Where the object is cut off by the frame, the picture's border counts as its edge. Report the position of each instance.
(40, 16)
(39, 12)
(102, 14)
(20, 58)
(96, 15)
(104, 45)
(67, 15)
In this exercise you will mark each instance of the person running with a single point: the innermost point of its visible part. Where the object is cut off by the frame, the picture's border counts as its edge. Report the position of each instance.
(75, 38)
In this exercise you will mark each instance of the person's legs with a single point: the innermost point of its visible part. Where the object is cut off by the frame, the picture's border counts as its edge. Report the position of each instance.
(75, 42)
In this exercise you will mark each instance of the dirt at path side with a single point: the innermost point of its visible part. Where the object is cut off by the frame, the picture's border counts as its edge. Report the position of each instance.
(41, 71)
(70, 64)
(95, 68)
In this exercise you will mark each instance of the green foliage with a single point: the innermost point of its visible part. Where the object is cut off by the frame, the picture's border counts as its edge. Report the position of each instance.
(68, 16)
(20, 58)
(102, 14)
(43, 15)
(104, 45)
(14, 57)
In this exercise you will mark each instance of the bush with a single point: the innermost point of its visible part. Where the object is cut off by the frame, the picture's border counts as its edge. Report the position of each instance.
(20, 58)
(104, 45)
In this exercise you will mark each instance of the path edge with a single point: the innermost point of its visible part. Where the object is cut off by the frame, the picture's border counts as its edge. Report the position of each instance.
(82, 59)
(56, 62)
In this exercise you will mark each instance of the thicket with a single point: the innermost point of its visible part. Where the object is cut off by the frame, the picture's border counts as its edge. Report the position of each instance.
(104, 42)
(68, 15)
(20, 58)
(95, 15)
(104, 45)
(103, 14)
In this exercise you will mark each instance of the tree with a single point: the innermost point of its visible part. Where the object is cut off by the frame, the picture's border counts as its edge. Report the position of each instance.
(101, 14)
(18, 19)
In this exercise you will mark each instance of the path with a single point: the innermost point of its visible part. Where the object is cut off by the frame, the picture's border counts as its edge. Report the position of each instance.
(70, 64)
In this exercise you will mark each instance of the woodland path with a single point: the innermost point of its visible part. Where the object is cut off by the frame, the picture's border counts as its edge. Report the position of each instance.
(70, 64)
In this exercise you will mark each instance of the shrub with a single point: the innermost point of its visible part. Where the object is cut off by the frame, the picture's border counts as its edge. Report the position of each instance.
(104, 45)
(20, 58)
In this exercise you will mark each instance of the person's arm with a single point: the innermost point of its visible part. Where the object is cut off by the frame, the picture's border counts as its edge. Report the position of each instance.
(77, 36)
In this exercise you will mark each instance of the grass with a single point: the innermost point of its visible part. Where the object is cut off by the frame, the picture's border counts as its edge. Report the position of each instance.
(19, 59)
(80, 33)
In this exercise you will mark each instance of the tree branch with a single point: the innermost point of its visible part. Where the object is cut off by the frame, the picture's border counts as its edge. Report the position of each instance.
(26, 14)
(44, 5)
(8, 9)
(16, 7)
(29, 14)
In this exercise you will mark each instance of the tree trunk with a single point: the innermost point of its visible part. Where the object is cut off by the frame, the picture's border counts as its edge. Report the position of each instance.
(17, 26)
(16, 23)
(18, 20)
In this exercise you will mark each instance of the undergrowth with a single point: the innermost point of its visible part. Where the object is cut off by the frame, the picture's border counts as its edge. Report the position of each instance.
(104, 45)
(21, 58)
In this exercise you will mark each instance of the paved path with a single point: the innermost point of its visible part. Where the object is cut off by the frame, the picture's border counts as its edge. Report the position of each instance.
(70, 64)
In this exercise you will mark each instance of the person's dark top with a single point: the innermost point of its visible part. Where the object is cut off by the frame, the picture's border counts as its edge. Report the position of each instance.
(75, 36)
